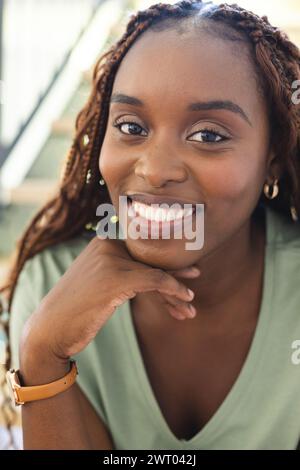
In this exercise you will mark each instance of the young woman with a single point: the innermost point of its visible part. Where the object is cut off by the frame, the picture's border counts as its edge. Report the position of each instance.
(196, 103)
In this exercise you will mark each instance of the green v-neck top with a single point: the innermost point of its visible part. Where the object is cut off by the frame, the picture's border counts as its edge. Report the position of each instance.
(261, 410)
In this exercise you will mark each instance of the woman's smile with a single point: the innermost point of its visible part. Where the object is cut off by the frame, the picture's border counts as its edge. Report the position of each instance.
(160, 220)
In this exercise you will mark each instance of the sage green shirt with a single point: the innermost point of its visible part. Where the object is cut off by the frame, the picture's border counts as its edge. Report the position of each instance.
(262, 409)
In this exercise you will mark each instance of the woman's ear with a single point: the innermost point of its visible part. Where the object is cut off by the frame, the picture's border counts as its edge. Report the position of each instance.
(274, 165)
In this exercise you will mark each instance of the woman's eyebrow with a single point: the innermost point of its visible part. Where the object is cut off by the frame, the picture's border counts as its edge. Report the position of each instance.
(198, 106)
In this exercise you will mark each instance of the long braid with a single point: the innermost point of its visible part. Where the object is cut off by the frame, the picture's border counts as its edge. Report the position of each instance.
(279, 59)
(278, 64)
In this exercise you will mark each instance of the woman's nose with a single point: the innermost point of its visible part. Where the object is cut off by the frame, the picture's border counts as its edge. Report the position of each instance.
(158, 168)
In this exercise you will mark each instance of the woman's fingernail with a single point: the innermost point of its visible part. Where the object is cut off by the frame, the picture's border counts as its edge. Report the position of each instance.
(192, 310)
(195, 269)
(191, 293)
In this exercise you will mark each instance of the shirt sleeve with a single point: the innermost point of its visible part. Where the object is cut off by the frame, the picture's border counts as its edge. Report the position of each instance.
(24, 303)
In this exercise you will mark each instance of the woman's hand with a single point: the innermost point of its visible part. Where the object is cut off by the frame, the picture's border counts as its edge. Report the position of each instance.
(101, 278)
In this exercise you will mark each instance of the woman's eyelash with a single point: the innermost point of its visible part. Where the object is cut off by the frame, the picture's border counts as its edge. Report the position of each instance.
(212, 131)
(205, 129)
(118, 125)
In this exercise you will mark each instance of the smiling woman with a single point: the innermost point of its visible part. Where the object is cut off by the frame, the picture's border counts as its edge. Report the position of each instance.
(193, 105)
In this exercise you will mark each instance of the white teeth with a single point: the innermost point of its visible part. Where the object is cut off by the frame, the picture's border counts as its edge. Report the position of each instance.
(131, 211)
(171, 215)
(148, 213)
(152, 214)
(179, 214)
(188, 212)
(142, 210)
(155, 213)
(163, 214)
(160, 215)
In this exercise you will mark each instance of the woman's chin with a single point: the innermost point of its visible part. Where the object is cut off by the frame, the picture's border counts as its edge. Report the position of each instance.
(163, 254)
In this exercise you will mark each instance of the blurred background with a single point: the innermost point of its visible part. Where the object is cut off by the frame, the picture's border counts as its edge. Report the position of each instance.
(47, 50)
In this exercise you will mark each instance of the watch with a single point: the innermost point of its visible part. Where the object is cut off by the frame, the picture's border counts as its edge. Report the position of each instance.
(21, 394)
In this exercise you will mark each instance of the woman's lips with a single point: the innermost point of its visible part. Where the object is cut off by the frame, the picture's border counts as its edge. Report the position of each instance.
(148, 198)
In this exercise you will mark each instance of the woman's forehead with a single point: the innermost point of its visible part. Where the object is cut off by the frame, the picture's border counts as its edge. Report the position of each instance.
(165, 66)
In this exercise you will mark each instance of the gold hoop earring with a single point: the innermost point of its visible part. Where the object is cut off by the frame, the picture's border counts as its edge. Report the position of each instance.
(294, 213)
(275, 189)
(293, 210)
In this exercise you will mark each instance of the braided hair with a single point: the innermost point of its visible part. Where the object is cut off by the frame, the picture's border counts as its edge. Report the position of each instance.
(277, 65)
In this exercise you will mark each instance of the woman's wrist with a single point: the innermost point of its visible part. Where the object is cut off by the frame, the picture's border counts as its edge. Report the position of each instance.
(38, 364)
(37, 368)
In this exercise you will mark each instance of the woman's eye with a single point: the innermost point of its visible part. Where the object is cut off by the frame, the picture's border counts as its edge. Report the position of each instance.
(210, 136)
(207, 135)
(132, 127)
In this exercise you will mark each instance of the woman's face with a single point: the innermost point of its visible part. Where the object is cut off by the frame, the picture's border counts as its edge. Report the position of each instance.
(214, 154)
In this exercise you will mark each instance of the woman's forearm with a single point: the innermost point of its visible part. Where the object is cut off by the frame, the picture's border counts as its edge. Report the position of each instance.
(56, 422)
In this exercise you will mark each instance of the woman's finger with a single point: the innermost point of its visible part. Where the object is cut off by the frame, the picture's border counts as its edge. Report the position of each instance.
(178, 308)
(186, 273)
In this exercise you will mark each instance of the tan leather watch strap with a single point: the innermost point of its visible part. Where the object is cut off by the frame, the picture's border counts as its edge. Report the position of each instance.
(39, 392)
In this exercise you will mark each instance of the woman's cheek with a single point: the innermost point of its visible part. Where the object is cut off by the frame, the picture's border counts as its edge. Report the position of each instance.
(225, 181)
(112, 166)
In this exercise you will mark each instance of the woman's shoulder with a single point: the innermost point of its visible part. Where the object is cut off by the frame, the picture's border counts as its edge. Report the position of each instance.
(283, 242)
(44, 268)
(59, 255)
(282, 231)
